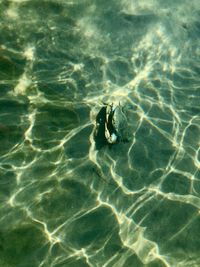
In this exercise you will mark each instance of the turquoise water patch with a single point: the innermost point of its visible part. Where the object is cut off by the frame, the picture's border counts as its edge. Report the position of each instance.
(66, 202)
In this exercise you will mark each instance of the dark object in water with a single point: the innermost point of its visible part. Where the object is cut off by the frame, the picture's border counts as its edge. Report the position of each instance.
(99, 136)
(111, 126)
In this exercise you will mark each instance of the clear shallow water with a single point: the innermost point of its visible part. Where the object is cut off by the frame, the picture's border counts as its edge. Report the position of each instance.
(63, 203)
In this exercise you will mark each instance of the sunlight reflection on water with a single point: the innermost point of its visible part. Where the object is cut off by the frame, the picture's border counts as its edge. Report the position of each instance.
(64, 203)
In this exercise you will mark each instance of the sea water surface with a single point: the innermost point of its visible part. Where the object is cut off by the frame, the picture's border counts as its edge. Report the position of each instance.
(63, 203)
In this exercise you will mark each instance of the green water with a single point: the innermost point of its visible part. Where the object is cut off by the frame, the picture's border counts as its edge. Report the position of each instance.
(63, 203)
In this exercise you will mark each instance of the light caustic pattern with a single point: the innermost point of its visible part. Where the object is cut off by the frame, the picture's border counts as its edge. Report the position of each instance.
(63, 203)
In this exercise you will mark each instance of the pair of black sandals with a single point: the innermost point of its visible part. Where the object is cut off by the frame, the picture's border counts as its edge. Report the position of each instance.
(110, 125)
